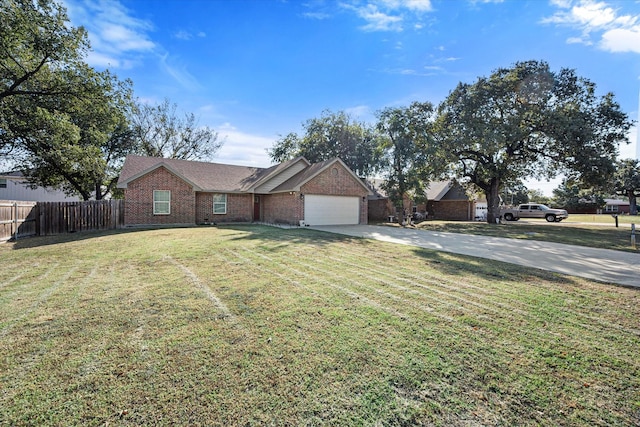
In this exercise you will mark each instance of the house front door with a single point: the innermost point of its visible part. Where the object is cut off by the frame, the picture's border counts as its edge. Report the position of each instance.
(256, 208)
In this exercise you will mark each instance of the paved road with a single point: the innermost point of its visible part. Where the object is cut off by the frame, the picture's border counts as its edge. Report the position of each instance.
(603, 265)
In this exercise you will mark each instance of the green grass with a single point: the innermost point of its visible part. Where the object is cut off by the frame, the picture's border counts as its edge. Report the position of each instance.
(253, 325)
(575, 231)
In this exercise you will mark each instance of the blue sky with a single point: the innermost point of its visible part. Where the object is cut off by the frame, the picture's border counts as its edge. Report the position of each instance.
(257, 69)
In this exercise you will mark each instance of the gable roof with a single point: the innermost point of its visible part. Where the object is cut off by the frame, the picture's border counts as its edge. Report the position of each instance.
(437, 190)
(298, 180)
(202, 176)
(217, 177)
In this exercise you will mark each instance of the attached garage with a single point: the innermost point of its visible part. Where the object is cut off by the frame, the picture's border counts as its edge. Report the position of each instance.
(331, 210)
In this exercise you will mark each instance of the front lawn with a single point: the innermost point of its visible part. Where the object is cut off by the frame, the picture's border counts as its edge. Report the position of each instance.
(252, 325)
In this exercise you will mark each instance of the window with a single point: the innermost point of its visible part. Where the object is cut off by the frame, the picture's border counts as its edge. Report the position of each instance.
(219, 204)
(3, 182)
(161, 202)
(611, 208)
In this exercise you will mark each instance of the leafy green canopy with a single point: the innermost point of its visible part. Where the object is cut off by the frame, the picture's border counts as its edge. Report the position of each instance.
(408, 146)
(62, 123)
(332, 135)
(627, 182)
(529, 121)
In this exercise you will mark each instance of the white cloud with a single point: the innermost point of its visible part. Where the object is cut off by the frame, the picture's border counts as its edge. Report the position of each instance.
(183, 35)
(320, 16)
(360, 112)
(179, 72)
(390, 15)
(617, 32)
(117, 39)
(242, 148)
(622, 40)
(377, 20)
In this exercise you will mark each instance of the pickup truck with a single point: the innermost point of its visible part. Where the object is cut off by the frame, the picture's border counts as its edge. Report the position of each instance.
(534, 210)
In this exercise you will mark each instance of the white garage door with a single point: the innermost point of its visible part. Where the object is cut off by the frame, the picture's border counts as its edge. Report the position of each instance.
(331, 210)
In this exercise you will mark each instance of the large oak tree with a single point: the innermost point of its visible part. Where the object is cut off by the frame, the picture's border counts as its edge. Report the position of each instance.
(627, 182)
(529, 121)
(62, 123)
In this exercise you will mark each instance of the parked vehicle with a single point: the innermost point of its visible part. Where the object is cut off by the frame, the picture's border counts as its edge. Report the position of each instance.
(534, 210)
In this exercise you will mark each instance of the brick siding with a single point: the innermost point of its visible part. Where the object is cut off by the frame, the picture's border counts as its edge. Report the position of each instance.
(190, 207)
(380, 209)
(338, 181)
(283, 208)
(139, 199)
(239, 208)
(455, 210)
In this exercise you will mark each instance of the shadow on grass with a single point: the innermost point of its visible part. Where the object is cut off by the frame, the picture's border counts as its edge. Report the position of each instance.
(37, 241)
(447, 262)
(283, 237)
(286, 236)
(464, 265)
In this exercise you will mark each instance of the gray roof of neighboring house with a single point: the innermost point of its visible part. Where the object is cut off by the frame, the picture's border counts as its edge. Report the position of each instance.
(437, 190)
(613, 202)
(16, 174)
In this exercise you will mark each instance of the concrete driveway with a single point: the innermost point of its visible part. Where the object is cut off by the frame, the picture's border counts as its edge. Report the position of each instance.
(603, 265)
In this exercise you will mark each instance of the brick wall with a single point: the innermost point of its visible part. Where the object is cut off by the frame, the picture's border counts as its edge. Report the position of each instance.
(139, 199)
(283, 208)
(338, 181)
(455, 210)
(380, 209)
(239, 208)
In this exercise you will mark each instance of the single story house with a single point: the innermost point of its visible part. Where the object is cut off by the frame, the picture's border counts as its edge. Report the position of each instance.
(617, 206)
(448, 200)
(445, 200)
(13, 186)
(380, 206)
(178, 192)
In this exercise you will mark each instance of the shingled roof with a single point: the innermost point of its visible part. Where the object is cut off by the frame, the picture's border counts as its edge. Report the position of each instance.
(203, 176)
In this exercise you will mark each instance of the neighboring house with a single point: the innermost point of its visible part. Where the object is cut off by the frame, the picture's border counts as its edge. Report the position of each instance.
(171, 191)
(616, 206)
(448, 200)
(13, 186)
(380, 206)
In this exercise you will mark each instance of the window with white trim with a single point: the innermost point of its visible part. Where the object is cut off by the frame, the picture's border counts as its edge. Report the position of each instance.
(161, 202)
(219, 204)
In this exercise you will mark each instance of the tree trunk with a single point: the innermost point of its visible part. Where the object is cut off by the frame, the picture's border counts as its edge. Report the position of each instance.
(493, 201)
(633, 205)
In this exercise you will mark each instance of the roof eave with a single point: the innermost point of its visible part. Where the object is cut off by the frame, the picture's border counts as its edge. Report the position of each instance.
(142, 173)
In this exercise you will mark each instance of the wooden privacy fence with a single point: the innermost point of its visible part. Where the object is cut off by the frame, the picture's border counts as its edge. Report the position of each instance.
(22, 219)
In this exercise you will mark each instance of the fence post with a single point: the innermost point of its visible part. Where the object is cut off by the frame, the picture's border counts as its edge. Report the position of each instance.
(15, 221)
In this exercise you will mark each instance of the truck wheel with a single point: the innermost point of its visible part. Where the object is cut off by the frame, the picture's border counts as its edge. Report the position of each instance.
(550, 218)
(508, 217)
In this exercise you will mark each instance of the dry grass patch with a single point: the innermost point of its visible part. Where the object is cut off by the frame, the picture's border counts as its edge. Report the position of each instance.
(263, 326)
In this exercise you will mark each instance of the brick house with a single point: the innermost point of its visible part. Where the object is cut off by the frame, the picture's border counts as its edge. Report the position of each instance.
(179, 192)
(448, 200)
(445, 200)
